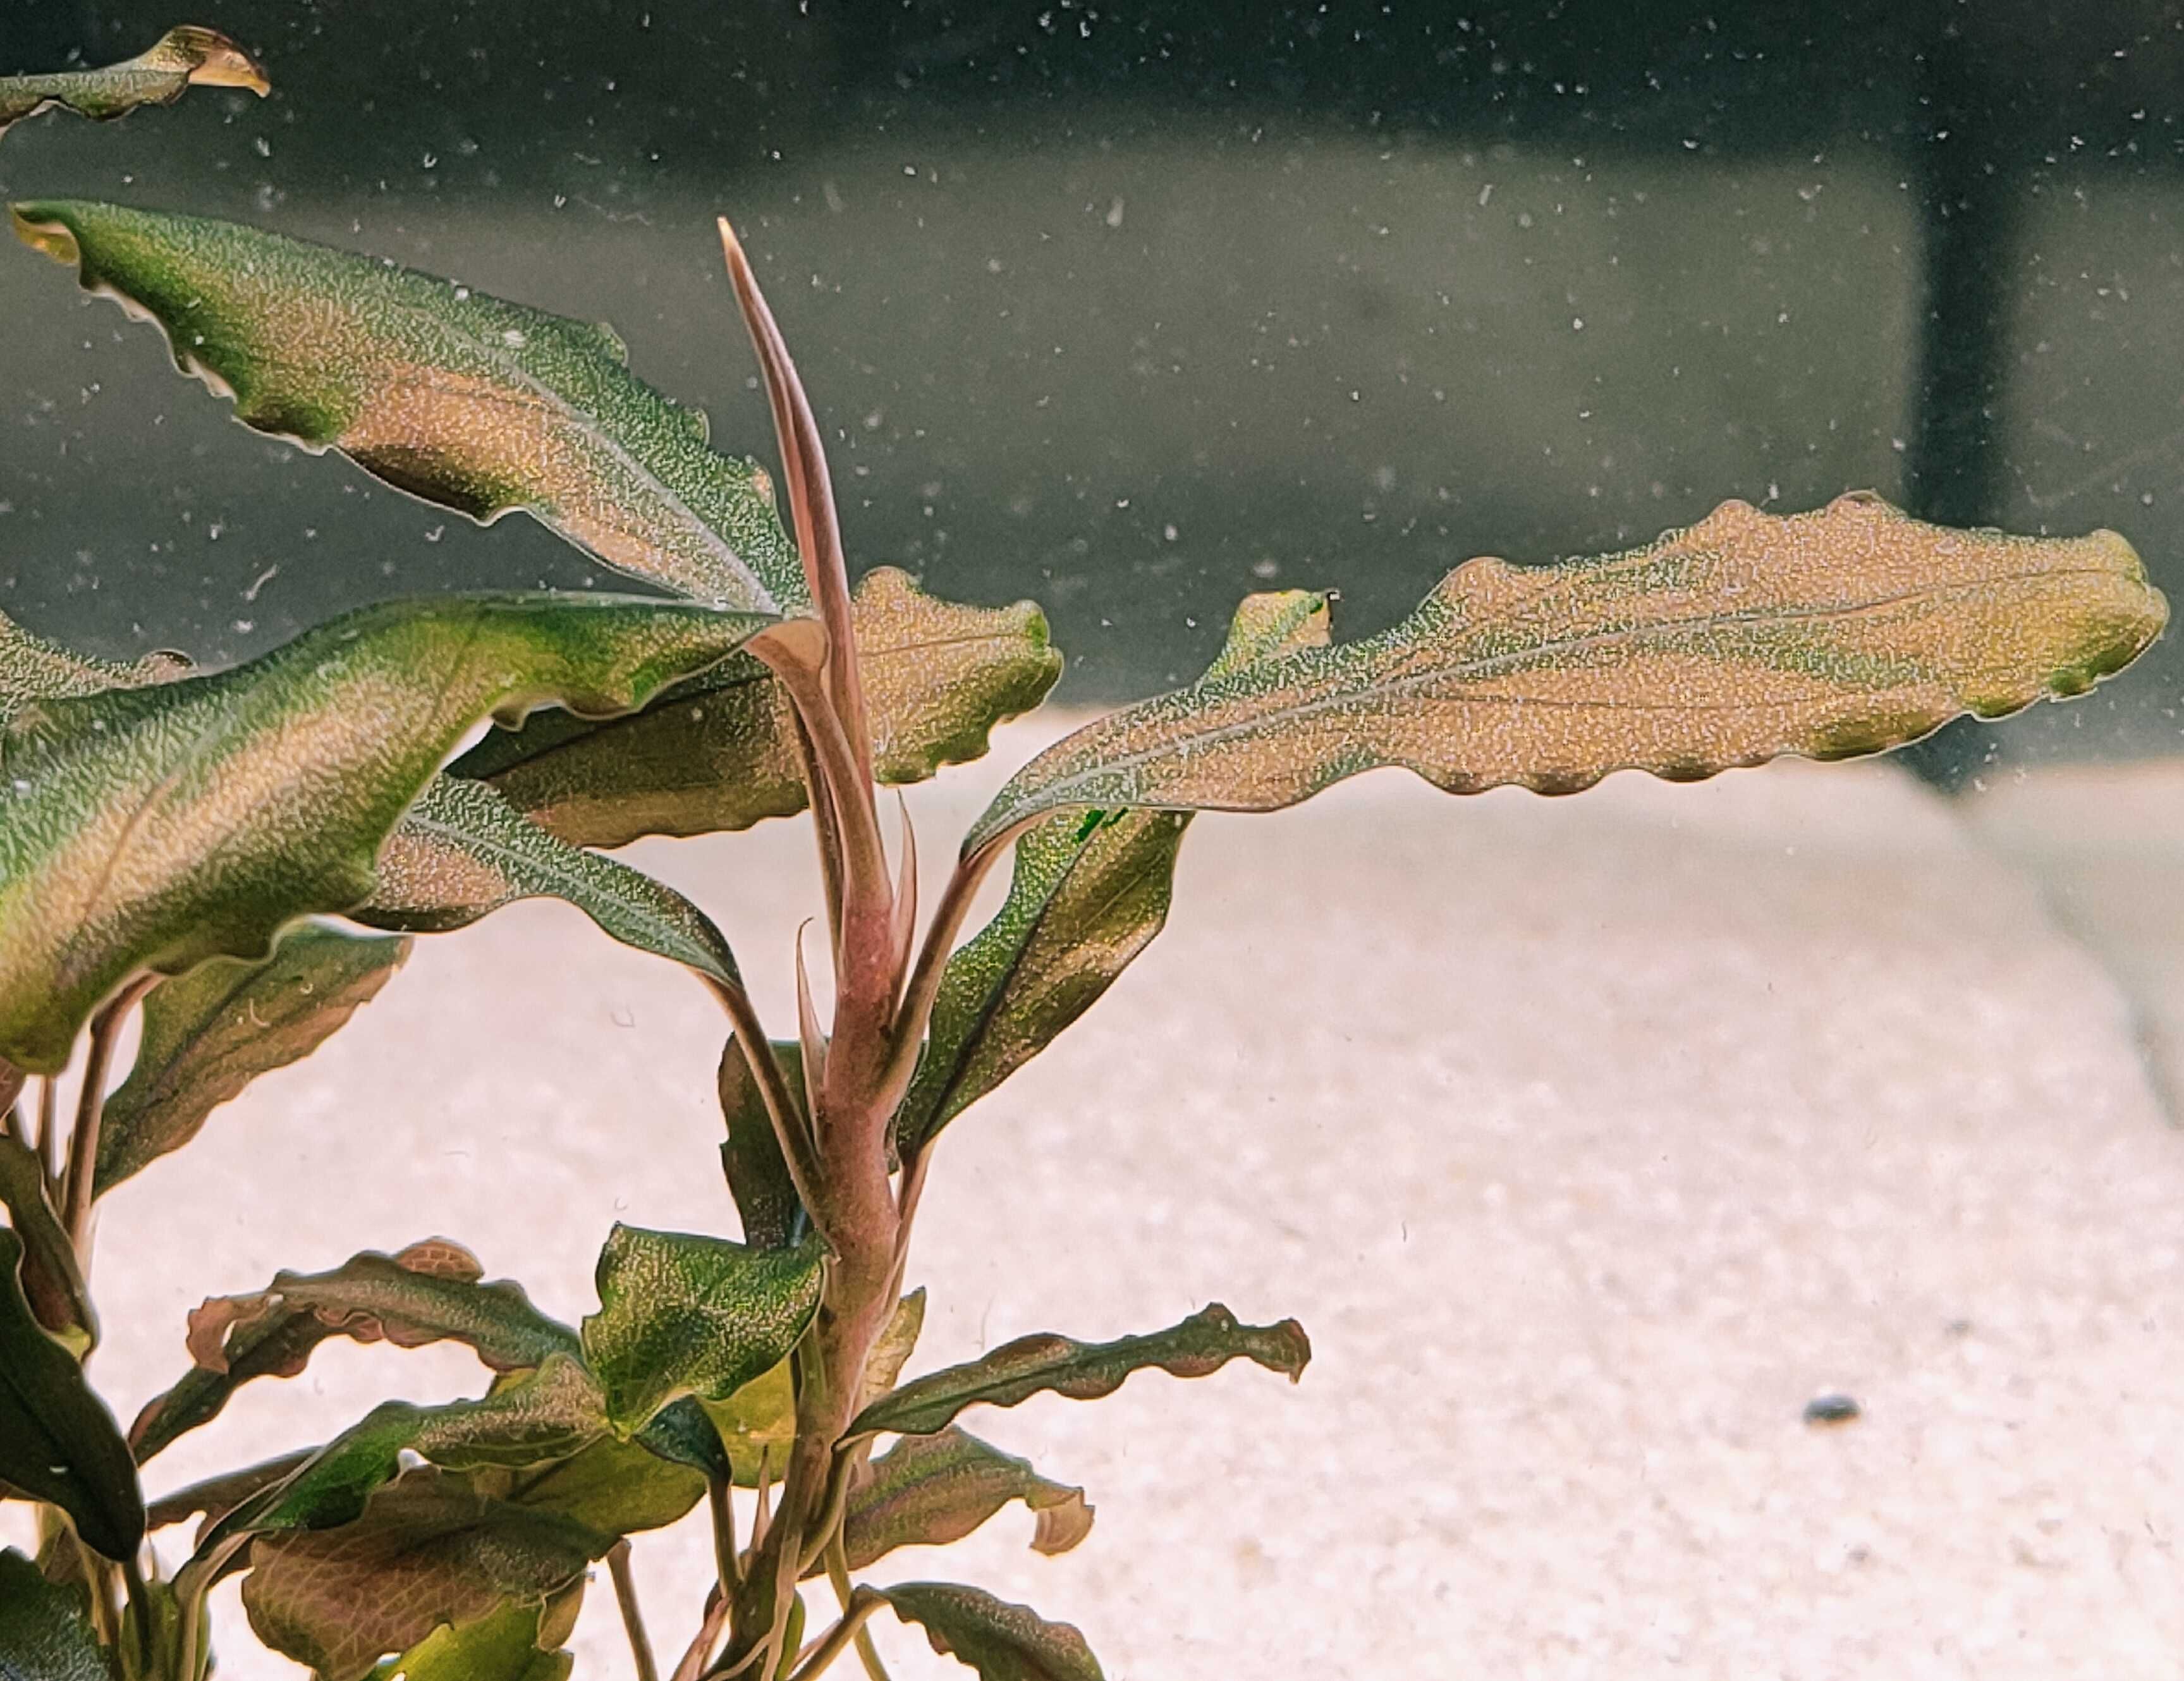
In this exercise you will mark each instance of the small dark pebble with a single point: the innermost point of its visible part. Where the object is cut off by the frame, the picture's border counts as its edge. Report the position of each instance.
(1831, 1410)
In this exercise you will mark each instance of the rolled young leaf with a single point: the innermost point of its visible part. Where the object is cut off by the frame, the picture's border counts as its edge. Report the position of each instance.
(431, 1292)
(157, 827)
(53, 1277)
(1828, 634)
(58, 1442)
(184, 58)
(1003, 1642)
(1035, 1365)
(462, 851)
(1087, 897)
(45, 1628)
(457, 398)
(680, 1315)
(427, 1552)
(751, 1156)
(208, 1033)
(929, 1491)
(719, 752)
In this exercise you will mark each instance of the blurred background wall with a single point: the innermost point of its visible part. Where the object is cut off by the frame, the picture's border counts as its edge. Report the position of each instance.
(1135, 308)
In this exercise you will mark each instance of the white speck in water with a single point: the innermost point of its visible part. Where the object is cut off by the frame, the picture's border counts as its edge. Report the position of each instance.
(1115, 213)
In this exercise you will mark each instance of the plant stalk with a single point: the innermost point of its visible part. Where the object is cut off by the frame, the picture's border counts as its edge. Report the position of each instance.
(81, 1185)
(832, 1644)
(632, 1614)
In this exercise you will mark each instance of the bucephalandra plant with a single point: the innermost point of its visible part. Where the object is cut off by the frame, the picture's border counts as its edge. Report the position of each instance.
(203, 850)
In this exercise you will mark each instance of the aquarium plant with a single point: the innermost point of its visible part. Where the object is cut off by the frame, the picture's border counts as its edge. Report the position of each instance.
(242, 857)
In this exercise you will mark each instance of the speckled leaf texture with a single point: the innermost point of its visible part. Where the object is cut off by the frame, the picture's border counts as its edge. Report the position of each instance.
(154, 828)
(45, 1634)
(429, 1551)
(32, 669)
(463, 851)
(930, 1491)
(430, 1292)
(1003, 1642)
(185, 57)
(208, 1033)
(462, 400)
(683, 1315)
(719, 753)
(58, 1441)
(544, 1415)
(1046, 1363)
(1085, 899)
(1828, 634)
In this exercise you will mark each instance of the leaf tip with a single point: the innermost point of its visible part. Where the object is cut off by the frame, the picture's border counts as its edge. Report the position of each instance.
(38, 227)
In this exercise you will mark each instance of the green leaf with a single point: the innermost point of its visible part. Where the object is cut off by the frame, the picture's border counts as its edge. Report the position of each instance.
(463, 851)
(182, 58)
(45, 1628)
(504, 1646)
(932, 1490)
(547, 1414)
(468, 402)
(208, 1033)
(1827, 634)
(53, 1280)
(32, 669)
(751, 1156)
(615, 1487)
(1015, 1372)
(58, 1441)
(1003, 1642)
(719, 752)
(429, 1293)
(157, 827)
(682, 1315)
(428, 1553)
(757, 1424)
(214, 1497)
(1086, 898)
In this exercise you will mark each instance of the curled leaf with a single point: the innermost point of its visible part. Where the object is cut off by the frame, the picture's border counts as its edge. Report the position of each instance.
(1087, 897)
(507, 1644)
(430, 1292)
(32, 669)
(427, 1554)
(751, 1156)
(459, 399)
(462, 852)
(929, 1491)
(680, 1315)
(157, 828)
(184, 58)
(719, 752)
(1828, 634)
(208, 1033)
(545, 1415)
(1015, 1372)
(58, 1441)
(1003, 1642)
(52, 1278)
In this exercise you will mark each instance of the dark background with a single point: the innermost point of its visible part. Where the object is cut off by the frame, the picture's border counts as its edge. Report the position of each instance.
(1135, 309)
